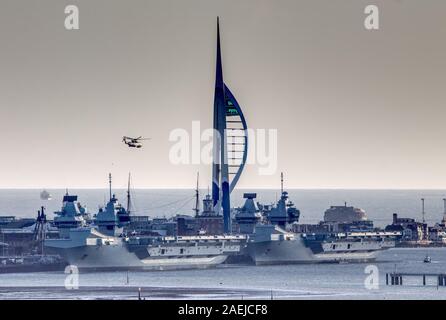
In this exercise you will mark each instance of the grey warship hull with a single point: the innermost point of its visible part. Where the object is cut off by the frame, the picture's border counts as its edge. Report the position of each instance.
(295, 252)
(112, 258)
(273, 245)
(88, 249)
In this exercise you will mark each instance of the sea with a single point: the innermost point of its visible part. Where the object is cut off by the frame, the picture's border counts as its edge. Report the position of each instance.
(320, 281)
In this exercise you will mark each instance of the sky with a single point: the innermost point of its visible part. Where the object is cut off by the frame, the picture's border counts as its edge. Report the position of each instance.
(353, 108)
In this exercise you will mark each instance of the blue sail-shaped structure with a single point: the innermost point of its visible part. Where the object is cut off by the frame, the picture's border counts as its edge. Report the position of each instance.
(230, 147)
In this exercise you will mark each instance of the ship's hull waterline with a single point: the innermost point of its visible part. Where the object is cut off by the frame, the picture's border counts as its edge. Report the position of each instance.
(295, 252)
(117, 257)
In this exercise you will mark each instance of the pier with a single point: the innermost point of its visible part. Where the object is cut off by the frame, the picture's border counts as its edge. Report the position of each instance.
(396, 278)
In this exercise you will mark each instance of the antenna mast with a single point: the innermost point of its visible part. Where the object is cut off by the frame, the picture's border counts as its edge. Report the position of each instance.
(110, 185)
(444, 211)
(197, 197)
(423, 212)
(281, 183)
(129, 201)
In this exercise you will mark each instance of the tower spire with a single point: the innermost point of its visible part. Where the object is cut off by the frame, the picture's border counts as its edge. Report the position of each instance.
(219, 68)
(220, 172)
(225, 141)
(218, 115)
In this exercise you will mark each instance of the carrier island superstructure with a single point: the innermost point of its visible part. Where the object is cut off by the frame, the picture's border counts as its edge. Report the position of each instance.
(265, 234)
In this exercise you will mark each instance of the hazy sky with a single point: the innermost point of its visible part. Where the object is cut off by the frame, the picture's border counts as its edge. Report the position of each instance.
(353, 108)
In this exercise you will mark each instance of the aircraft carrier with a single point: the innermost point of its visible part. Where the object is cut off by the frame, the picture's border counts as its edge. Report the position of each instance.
(272, 241)
(101, 244)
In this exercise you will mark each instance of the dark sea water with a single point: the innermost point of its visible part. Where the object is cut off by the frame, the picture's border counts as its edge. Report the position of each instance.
(379, 204)
(323, 281)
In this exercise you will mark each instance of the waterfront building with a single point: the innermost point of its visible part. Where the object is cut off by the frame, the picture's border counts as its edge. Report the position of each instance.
(411, 230)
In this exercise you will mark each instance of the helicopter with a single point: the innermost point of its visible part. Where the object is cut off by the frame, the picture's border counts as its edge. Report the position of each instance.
(134, 142)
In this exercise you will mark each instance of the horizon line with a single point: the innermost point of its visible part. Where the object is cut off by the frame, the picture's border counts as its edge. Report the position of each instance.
(244, 188)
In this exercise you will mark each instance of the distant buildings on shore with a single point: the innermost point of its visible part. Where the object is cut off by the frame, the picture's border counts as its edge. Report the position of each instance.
(418, 233)
(350, 219)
